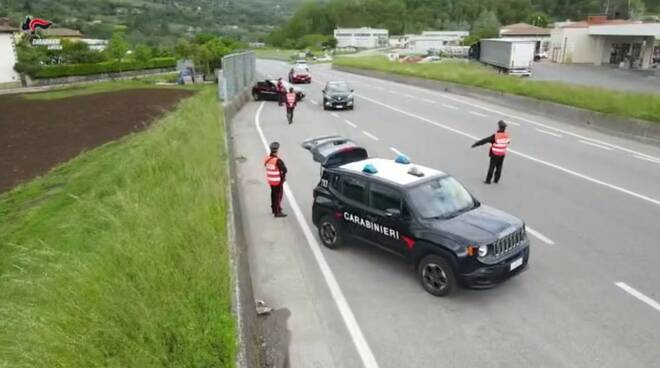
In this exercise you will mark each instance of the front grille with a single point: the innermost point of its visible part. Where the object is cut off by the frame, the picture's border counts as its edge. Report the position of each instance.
(509, 243)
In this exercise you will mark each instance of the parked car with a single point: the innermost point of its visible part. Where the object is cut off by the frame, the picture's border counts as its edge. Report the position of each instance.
(299, 74)
(267, 90)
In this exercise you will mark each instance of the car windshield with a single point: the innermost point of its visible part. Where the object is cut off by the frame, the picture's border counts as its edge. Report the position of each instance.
(338, 87)
(444, 197)
(300, 69)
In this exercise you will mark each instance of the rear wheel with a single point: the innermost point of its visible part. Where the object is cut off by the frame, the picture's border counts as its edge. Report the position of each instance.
(330, 233)
(255, 96)
(436, 275)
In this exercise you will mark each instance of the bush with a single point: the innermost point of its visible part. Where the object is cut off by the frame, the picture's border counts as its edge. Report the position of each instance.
(56, 71)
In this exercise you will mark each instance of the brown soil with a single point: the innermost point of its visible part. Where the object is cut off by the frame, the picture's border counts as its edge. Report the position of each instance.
(36, 135)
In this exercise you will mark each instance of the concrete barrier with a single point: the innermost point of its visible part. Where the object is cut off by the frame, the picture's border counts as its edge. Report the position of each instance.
(639, 130)
(243, 303)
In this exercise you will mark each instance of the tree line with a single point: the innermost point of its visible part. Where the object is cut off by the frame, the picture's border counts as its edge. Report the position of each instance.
(482, 17)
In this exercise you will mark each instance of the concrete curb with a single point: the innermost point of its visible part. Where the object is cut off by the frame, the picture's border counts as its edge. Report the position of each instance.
(639, 130)
(243, 303)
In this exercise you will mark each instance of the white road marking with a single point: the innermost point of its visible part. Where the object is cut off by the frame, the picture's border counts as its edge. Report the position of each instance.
(637, 294)
(477, 114)
(335, 115)
(429, 101)
(398, 152)
(548, 133)
(392, 91)
(647, 159)
(409, 96)
(596, 145)
(546, 126)
(546, 163)
(378, 88)
(450, 106)
(313, 102)
(369, 135)
(350, 123)
(539, 236)
(363, 349)
(512, 123)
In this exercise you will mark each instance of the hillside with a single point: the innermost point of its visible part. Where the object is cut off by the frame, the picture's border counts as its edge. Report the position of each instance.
(159, 21)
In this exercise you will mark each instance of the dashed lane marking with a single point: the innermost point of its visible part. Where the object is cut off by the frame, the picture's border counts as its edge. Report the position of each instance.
(548, 133)
(639, 295)
(369, 135)
(350, 123)
(596, 145)
(539, 236)
(354, 330)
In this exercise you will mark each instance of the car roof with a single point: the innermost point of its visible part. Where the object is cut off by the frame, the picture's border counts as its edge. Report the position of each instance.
(391, 171)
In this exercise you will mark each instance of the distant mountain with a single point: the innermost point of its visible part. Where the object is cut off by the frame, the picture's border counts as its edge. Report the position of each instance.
(158, 21)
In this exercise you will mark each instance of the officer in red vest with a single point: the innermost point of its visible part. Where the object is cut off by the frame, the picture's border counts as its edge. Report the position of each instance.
(275, 174)
(498, 145)
(281, 91)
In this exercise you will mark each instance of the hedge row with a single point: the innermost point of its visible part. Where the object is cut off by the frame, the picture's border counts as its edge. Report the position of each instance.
(56, 71)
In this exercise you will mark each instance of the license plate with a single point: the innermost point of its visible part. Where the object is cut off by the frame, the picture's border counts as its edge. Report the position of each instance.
(515, 264)
(340, 106)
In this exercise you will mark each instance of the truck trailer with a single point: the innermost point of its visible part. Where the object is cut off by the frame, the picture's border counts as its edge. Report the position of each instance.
(511, 56)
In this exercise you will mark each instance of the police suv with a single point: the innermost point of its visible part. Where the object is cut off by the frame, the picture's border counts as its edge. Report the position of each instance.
(420, 214)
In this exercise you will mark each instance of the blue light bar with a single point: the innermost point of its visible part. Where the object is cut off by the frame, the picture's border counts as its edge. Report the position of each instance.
(369, 169)
(402, 159)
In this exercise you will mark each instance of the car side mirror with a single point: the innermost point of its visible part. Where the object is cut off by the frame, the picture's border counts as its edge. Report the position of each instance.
(393, 213)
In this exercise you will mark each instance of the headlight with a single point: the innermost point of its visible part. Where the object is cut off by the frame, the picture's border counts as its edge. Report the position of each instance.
(483, 250)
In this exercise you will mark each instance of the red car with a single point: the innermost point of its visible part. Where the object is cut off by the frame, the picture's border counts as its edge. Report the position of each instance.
(299, 74)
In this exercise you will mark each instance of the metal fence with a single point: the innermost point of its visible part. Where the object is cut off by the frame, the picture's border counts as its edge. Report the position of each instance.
(239, 71)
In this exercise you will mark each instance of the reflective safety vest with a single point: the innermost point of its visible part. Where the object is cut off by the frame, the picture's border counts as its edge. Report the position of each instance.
(501, 143)
(291, 99)
(272, 171)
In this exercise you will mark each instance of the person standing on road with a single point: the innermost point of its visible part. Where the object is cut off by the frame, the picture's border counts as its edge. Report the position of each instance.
(276, 175)
(281, 91)
(291, 101)
(499, 143)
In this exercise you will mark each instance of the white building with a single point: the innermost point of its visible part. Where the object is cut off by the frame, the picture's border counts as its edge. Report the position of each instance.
(599, 41)
(8, 76)
(528, 32)
(435, 40)
(362, 38)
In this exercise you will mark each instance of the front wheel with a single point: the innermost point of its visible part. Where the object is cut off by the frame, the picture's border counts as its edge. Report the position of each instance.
(436, 275)
(255, 96)
(330, 233)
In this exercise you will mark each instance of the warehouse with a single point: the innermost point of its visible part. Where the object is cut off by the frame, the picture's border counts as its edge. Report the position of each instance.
(435, 40)
(362, 38)
(600, 41)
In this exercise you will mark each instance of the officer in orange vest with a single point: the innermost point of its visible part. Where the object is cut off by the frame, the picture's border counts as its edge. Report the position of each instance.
(498, 145)
(275, 174)
(291, 100)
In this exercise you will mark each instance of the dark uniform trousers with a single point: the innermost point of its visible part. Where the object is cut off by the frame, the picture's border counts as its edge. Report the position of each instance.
(276, 194)
(496, 163)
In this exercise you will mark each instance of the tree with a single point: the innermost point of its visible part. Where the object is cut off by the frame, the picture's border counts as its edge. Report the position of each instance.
(142, 53)
(330, 43)
(79, 53)
(539, 19)
(486, 25)
(118, 47)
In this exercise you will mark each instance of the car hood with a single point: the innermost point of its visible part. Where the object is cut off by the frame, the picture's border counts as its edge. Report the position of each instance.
(483, 225)
(338, 94)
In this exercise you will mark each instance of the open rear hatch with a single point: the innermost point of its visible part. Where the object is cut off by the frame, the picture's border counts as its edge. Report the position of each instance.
(334, 151)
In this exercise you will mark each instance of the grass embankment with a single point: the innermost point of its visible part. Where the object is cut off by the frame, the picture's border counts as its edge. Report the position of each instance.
(99, 87)
(118, 258)
(635, 105)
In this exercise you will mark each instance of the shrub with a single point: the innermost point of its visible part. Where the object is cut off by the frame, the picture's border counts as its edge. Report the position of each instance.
(55, 71)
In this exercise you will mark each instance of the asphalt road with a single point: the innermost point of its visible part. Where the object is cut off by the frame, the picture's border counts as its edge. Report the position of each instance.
(590, 297)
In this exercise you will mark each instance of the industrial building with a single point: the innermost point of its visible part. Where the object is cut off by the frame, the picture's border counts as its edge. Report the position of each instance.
(362, 38)
(600, 41)
(435, 40)
(528, 32)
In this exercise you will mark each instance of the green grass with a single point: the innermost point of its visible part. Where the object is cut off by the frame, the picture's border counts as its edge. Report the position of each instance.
(119, 257)
(635, 105)
(93, 88)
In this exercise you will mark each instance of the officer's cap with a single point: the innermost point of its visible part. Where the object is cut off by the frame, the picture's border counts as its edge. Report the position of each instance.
(274, 147)
(501, 124)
